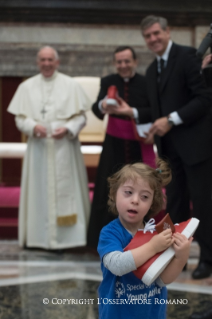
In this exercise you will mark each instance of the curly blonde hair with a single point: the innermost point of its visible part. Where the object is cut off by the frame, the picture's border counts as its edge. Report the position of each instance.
(157, 178)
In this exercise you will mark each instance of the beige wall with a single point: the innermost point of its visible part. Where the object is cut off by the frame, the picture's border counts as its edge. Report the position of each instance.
(86, 35)
(85, 50)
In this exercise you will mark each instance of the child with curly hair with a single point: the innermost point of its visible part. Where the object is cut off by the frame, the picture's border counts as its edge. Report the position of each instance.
(136, 196)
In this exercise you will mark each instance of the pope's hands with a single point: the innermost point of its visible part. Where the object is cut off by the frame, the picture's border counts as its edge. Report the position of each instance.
(39, 131)
(60, 132)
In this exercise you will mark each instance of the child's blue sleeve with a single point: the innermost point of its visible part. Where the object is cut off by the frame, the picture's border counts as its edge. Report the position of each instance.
(112, 239)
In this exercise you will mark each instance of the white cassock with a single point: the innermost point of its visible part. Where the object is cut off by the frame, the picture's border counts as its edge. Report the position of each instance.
(54, 204)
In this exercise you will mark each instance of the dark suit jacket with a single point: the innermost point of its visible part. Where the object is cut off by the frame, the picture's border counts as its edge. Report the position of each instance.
(137, 95)
(182, 89)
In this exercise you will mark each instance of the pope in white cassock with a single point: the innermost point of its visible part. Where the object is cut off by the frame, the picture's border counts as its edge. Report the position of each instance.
(50, 109)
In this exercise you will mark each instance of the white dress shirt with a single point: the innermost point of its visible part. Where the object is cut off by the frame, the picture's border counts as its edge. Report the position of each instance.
(174, 116)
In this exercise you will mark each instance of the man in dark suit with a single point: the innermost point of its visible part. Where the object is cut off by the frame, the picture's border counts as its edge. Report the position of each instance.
(120, 146)
(180, 105)
(207, 74)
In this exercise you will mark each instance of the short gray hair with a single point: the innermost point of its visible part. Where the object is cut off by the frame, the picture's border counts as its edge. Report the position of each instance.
(150, 20)
(56, 55)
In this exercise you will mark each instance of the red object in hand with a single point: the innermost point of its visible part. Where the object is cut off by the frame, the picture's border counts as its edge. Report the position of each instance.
(165, 223)
(112, 95)
(152, 268)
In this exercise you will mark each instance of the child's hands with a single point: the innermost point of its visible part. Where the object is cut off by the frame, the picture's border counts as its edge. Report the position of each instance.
(181, 246)
(162, 241)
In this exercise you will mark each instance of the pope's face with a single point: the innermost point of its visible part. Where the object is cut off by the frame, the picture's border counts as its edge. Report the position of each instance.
(156, 38)
(47, 62)
(124, 63)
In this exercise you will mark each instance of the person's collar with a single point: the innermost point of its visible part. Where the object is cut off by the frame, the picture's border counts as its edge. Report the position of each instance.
(165, 55)
(50, 78)
(144, 222)
(127, 79)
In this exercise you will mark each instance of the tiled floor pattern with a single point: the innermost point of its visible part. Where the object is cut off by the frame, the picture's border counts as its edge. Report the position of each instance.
(30, 275)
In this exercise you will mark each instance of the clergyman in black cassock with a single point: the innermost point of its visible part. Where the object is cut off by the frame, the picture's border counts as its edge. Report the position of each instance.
(117, 151)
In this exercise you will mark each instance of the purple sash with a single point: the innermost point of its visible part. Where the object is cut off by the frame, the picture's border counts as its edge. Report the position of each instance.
(124, 129)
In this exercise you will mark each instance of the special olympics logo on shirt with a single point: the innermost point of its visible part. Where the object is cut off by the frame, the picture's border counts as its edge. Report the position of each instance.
(119, 290)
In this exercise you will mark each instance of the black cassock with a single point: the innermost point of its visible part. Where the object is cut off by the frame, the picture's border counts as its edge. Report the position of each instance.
(116, 151)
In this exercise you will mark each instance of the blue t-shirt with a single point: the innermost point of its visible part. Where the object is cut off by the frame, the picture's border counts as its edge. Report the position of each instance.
(126, 296)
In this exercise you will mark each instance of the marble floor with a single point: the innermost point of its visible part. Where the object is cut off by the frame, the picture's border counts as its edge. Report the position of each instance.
(41, 284)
